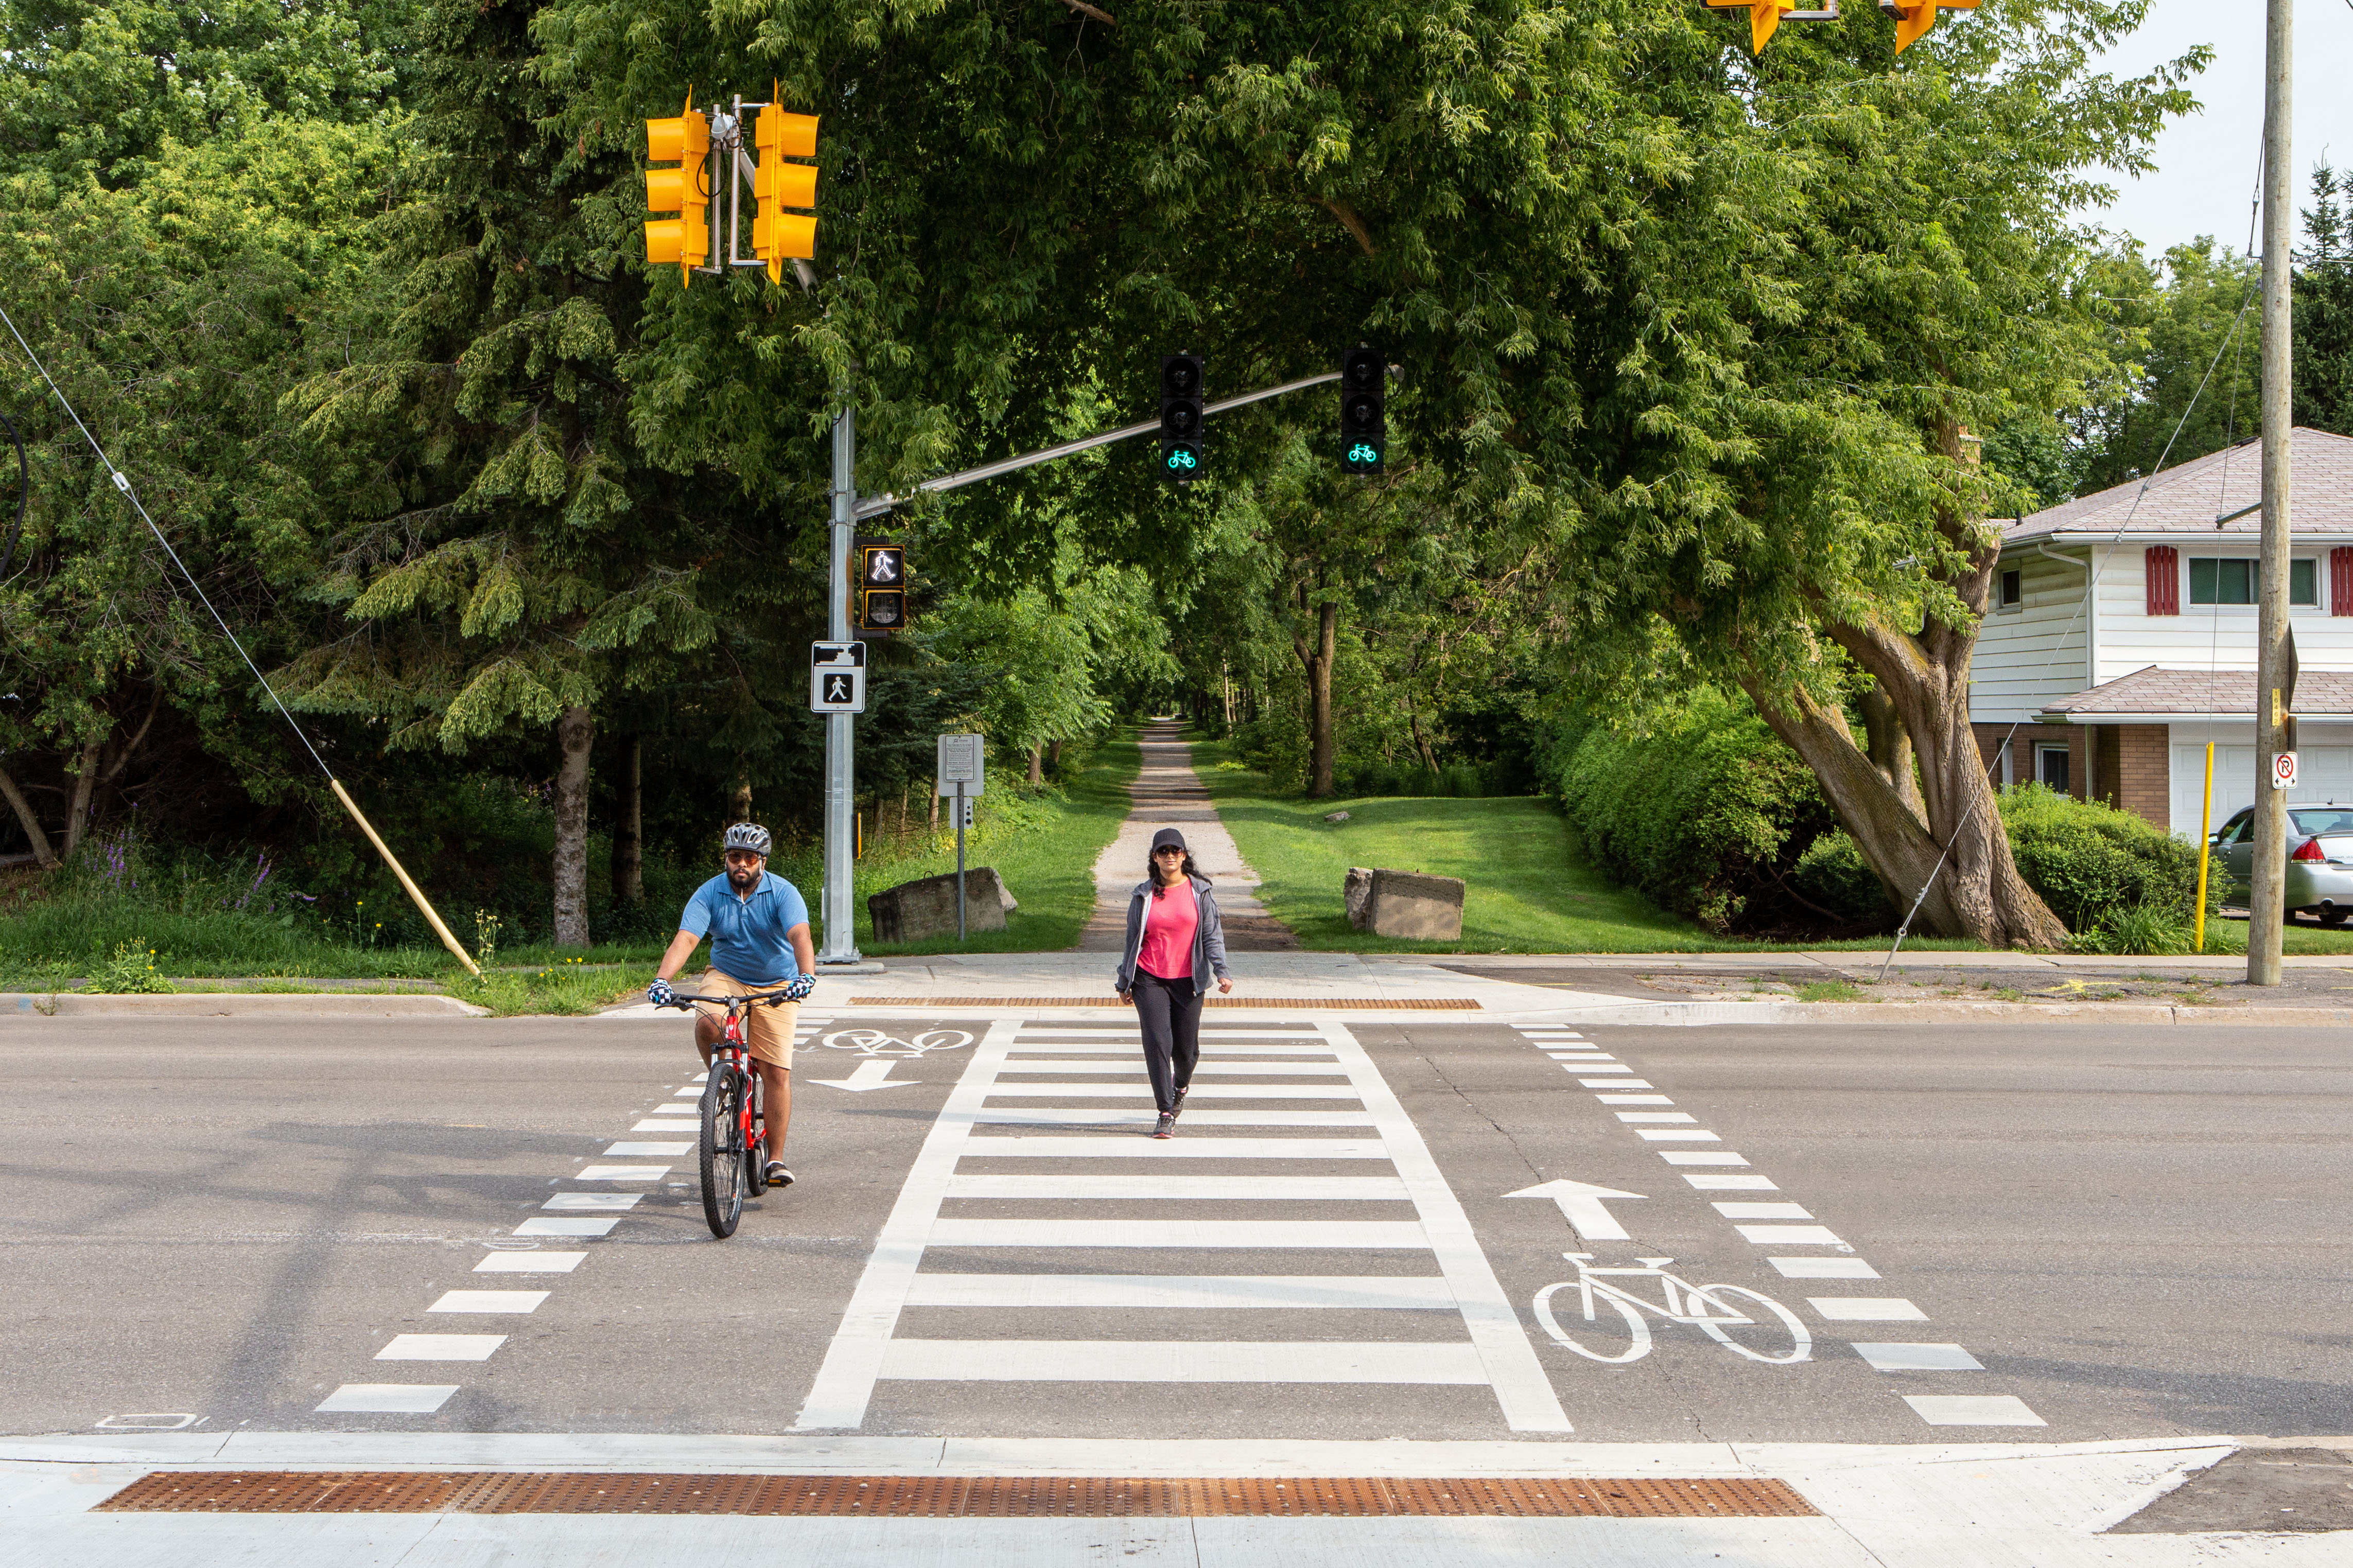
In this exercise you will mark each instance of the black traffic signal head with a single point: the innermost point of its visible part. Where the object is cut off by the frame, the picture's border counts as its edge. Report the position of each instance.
(1364, 421)
(1180, 418)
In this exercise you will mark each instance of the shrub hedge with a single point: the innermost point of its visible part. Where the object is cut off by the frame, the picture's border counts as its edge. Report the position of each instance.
(1703, 809)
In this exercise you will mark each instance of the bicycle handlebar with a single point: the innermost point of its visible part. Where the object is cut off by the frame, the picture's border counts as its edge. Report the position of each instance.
(682, 1000)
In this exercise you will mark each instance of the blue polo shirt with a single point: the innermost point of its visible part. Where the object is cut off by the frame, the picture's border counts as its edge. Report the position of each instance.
(749, 937)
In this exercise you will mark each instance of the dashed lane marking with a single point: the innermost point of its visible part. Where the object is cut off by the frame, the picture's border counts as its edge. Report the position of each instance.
(488, 1301)
(530, 1263)
(1579, 1055)
(441, 1347)
(388, 1398)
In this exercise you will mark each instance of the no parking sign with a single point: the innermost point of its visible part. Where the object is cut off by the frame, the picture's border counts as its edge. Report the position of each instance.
(2284, 769)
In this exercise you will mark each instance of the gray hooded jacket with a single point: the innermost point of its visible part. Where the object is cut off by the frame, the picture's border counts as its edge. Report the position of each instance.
(1208, 938)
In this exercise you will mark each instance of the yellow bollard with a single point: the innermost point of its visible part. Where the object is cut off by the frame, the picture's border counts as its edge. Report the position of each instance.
(2205, 844)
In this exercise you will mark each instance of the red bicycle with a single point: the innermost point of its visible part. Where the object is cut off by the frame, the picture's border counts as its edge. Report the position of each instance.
(733, 1127)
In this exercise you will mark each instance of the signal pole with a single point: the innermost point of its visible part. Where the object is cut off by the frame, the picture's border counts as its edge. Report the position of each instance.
(2273, 730)
(838, 903)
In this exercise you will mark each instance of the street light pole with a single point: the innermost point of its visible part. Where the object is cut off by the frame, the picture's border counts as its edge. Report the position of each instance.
(2266, 917)
(838, 904)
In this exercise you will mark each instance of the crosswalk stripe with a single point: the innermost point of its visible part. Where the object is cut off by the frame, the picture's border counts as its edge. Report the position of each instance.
(1181, 1361)
(1228, 1069)
(1199, 1091)
(1181, 1234)
(1246, 1189)
(1082, 1048)
(1371, 1292)
(1058, 1116)
(1131, 1148)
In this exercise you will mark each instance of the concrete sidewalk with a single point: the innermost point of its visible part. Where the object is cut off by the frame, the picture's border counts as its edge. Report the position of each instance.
(1922, 1506)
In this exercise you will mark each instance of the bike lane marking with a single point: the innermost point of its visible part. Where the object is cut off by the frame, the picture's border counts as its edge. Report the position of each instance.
(1579, 1055)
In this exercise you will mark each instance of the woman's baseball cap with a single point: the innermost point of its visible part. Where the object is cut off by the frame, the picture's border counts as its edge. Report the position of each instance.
(1168, 838)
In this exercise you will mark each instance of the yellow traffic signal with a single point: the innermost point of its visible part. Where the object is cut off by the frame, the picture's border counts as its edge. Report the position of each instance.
(686, 238)
(1914, 17)
(776, 234)
(1764, 15)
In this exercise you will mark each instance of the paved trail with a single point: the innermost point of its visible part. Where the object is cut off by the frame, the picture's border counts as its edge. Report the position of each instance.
(1168, 792)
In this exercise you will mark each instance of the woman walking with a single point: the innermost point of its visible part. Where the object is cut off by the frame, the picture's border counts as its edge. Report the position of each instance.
(1174, 945)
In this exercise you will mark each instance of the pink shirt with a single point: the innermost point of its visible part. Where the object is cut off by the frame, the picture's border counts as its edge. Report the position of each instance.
(1169, 921)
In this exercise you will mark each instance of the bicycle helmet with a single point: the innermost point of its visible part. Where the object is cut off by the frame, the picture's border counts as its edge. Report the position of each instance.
(747, 836)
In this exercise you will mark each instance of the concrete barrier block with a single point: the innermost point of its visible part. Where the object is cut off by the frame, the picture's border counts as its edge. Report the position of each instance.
(922, 910)
(1358, 891)
(1409, 905)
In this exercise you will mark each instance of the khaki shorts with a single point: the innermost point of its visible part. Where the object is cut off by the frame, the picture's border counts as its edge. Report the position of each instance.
(768, 1030)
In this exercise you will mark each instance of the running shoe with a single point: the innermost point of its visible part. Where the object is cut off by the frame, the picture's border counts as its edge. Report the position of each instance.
(1178, 1108)
(1167, 1127)
(777, 1176)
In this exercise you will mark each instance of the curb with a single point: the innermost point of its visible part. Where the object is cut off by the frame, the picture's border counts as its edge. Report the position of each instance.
(1691, 1013)
(241, 1004)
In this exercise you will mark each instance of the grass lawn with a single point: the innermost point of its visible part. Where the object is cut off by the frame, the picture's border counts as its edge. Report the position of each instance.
(1044, 846)
(1527, 889)
(1045, 849)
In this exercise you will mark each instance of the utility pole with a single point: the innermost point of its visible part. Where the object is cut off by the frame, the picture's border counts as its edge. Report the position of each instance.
(837, 902)
(2273, 730)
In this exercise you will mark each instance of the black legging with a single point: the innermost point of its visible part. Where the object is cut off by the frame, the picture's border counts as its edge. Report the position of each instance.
(1170, 1014)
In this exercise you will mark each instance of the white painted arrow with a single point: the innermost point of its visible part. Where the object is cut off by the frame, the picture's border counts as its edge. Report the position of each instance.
(874, 1072)
(1581, 1203)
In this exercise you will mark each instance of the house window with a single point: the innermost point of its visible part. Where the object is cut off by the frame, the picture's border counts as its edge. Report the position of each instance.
(2051, 767)
(2013, 590)
(2234, 582)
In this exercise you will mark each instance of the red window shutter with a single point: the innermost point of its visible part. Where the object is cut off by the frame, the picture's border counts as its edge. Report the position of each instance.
(2340, 581)
(2162, 564)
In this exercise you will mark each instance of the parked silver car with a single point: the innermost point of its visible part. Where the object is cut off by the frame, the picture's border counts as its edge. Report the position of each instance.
(2319, 859)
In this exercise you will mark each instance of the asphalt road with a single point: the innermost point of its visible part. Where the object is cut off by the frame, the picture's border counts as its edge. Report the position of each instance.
(2134, 1233)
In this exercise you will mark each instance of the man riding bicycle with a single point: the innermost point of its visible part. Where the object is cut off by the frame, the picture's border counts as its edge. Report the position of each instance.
(758, 926)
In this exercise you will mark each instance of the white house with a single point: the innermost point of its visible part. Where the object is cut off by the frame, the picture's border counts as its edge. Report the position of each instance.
(2120, 638)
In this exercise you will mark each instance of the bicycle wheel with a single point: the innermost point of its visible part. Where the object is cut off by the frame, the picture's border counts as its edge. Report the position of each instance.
(756, 1144)
(723, 1150)
(1637, 1342)
(1754, 1340)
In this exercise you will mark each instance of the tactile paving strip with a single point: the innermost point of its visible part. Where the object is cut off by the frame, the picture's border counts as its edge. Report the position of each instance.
(951, 1497)
(1295, 1003)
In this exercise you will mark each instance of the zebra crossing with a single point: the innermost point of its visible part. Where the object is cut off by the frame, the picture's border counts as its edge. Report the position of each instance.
(1290, 1118)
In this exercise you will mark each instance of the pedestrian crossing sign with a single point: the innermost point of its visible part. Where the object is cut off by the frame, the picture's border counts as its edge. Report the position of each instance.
(838, 677)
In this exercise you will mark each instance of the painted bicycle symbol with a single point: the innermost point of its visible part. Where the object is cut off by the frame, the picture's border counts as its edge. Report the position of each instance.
(879, 1043)
(1774, 1334)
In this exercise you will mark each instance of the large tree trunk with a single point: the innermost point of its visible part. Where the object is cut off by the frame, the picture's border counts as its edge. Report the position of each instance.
(740, 803)
(576, 732)
(1890, 746)
(1036, 764)
(629, 831)
(27, 820)
(1317, 662)
(85, 791)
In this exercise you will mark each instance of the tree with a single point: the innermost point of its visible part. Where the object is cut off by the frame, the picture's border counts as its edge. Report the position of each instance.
(173, 305)
(2323, 303)
(508, 558)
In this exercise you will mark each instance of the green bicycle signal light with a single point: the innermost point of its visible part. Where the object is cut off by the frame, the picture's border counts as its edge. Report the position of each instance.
(1180, 418)
(1364, 421)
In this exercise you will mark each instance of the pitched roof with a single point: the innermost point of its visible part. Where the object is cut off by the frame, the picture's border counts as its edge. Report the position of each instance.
(2186, 499)
(2157, 692)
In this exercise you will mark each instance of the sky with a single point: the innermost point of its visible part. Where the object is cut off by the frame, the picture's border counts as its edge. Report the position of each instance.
(2206, 162)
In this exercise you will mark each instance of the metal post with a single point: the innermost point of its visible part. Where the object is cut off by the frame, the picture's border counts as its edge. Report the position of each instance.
(841, 907)
(959, 811)
(2265, 916)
